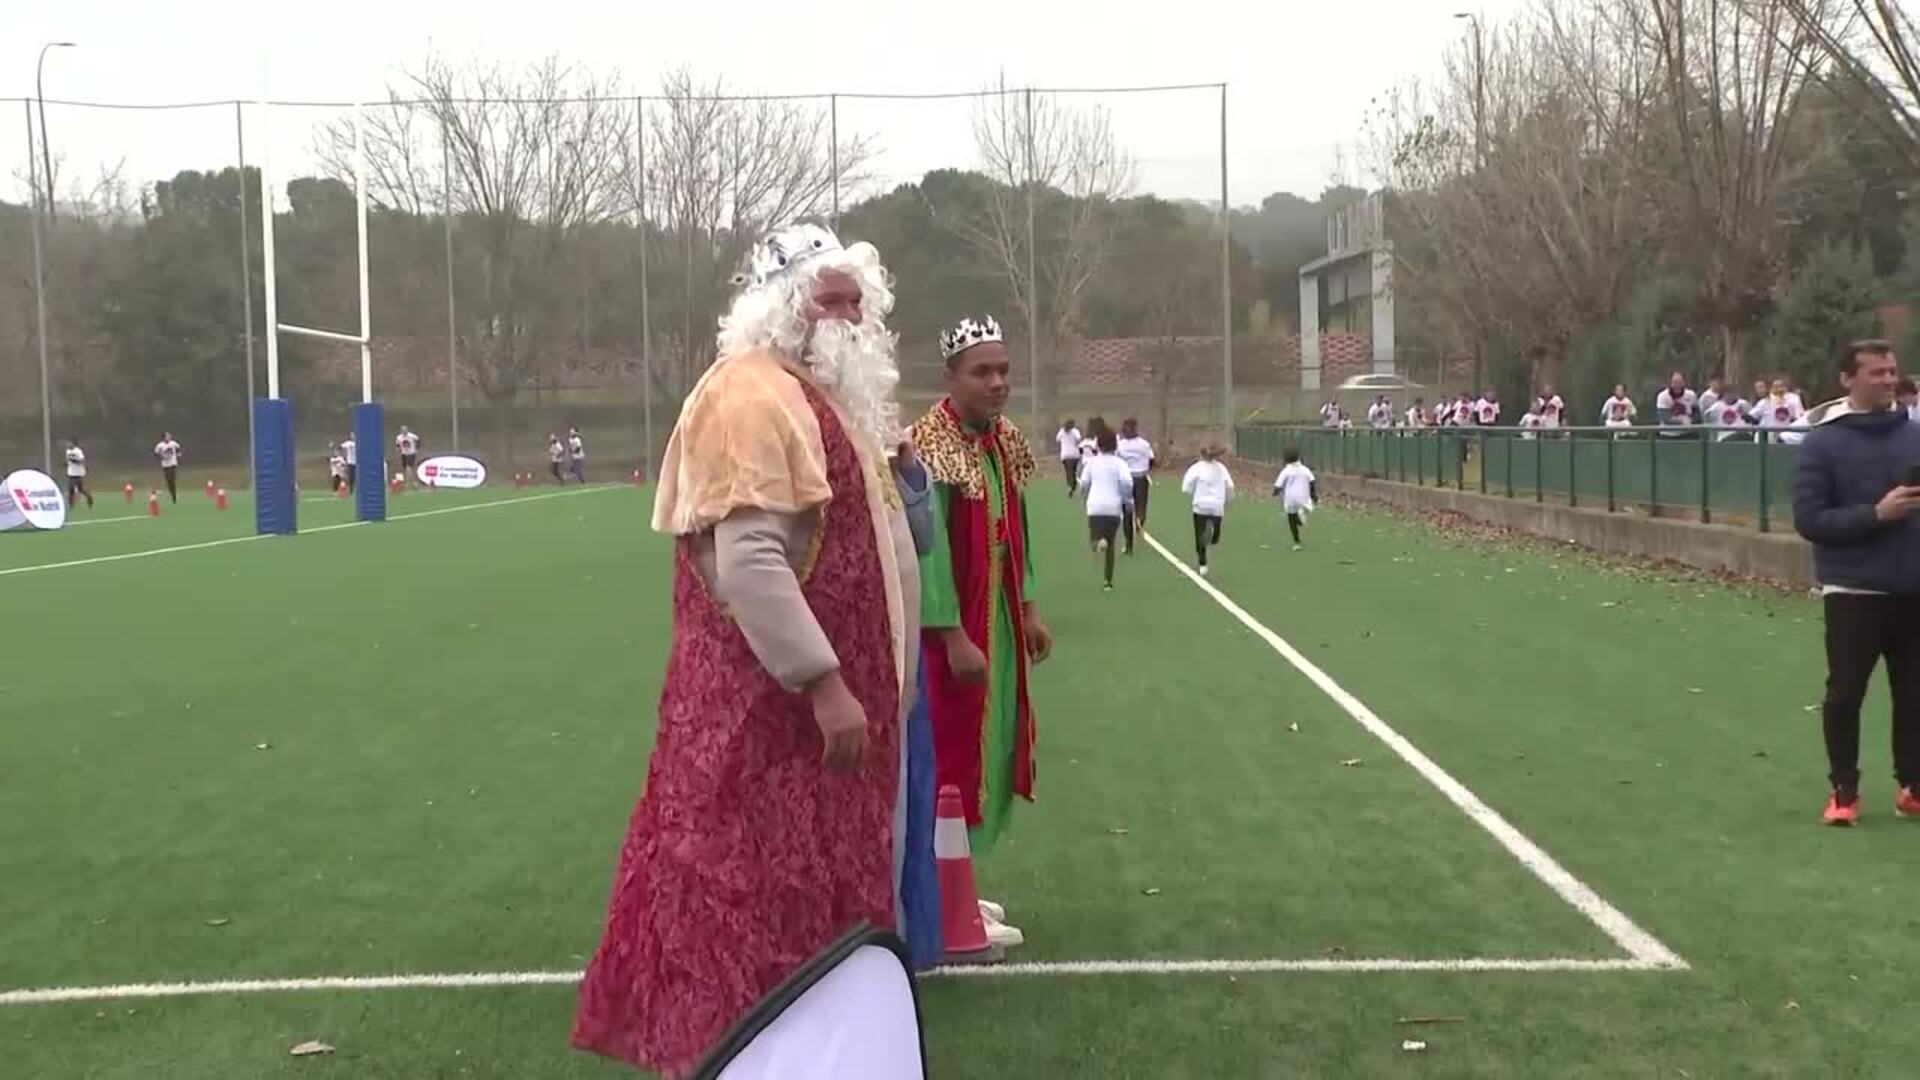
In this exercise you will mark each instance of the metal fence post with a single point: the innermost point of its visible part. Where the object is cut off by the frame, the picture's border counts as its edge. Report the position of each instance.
(1653, 475)
(1510, 449)
(1573, 484)
(1540, 469)
(1761, 442)
(1483, 461)
(1613, 496)
(1706, 479)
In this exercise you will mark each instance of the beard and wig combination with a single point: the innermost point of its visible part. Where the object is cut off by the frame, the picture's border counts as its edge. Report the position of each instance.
(854, 363)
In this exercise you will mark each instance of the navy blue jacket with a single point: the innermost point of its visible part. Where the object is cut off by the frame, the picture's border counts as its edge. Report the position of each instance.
(1846, 465)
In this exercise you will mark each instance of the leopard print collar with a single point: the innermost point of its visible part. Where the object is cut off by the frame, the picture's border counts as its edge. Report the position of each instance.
(952, 453)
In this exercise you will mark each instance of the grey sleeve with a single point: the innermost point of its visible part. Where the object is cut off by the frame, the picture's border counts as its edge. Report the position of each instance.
(916, 493)
(754, 577)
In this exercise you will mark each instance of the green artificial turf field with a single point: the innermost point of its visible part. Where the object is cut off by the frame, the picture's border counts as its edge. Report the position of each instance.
(411, 749)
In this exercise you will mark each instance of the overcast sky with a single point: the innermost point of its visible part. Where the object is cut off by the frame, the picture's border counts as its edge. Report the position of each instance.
(1300, 73)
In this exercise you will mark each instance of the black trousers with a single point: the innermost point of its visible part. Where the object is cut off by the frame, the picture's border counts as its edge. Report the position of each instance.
(1103, 527)
(1206, 534)
(1142, 487)
(353, 477)
(1293, 526)
(76, 486)
(1861, 630)
(172, 473)
(1071, 467)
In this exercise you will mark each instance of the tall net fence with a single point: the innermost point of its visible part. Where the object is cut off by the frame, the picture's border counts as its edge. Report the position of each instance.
(555, 261)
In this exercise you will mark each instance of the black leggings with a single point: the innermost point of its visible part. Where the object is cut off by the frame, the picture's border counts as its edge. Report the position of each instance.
(1861, 630)
(1293, 526)
(1103, 527)
(1142, 487)
(1071, 467)
(1206, 534)
(172, 473)
(77, 485)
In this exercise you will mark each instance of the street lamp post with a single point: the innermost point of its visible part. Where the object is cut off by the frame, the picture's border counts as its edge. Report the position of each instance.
(40, 95)
(39, 270)
(1479, 163)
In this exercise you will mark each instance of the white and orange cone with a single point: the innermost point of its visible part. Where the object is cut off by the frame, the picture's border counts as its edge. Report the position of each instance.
(963, 931)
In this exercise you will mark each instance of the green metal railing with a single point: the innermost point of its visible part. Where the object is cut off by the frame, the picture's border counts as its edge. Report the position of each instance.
(1744, 479)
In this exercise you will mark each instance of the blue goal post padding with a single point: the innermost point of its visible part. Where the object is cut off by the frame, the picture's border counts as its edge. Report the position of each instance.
(275, 506)
(370, 440)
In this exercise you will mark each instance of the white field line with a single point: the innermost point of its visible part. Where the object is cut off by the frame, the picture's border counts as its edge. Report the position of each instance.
(114, 520)
(1068, 968)
(1643, 947)
(304, 532)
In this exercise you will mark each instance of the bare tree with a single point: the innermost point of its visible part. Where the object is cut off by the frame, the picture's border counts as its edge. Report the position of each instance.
(1069, 161)
(1873, 53)
(1732, 75)
(722, 171)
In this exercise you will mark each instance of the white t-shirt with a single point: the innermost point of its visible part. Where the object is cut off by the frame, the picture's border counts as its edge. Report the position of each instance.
(1488, 411)
(408, 442)
(337, 465)
(1295, 484)
(1708, 399)
(168, 451)
(1069, 440)
(1107, 484)
(1210, 485)
(1329, 415)
(76, 461)
(348, 451)
(1676, 412)
(1529, 423)
(1729, 413)
(1379, 415)
(1913, 411)
(556, 453)
(1462, 414)
(1416, 418)
(1780, 412)
(576, 448)
(1550, 410)
(1137, 452)
(1618, 412)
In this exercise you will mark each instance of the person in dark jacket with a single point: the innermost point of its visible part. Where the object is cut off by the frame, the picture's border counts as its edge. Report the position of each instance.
(1855, 498)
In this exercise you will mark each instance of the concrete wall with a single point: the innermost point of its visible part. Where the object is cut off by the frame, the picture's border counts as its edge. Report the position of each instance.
(1775, 556)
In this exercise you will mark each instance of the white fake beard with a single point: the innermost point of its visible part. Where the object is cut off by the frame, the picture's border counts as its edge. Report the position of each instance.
(856, 365)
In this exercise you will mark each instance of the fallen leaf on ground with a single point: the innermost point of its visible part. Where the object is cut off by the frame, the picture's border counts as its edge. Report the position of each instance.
(1117, 831)
(310, 1048)
(1351, 763)
(263, 746)
(222, 921)
(1431, 1020)
(1412, 1045)
(1149, 892)
(1293, 727)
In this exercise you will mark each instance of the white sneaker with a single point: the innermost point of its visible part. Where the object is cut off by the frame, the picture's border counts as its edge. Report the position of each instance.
(1203, 571)
(993, 911)
(1001, 935)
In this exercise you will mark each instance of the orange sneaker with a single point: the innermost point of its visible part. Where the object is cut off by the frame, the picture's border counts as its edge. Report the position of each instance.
(1843, 813)
(1906, 802)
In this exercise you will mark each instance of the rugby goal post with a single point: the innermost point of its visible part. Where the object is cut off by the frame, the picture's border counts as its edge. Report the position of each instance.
(276, 503)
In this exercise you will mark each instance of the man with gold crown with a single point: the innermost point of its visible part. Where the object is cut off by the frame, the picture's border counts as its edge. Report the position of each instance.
(768, 823)
(981, 627)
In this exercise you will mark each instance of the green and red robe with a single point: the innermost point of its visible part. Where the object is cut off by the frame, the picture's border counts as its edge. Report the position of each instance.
(977, 576)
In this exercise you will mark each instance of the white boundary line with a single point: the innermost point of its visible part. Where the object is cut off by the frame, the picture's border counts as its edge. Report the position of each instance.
(1069, 968)
(114, 520)
(1643, 947)
(38, 567)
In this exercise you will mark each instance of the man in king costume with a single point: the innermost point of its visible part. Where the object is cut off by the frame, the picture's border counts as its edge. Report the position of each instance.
(980, 625)
(775, 791)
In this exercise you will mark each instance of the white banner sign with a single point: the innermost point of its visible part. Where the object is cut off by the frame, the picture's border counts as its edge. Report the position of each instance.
(452, 471)
(32, 499)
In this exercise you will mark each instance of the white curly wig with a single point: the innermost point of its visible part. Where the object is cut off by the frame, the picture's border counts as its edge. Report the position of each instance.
(855, 363)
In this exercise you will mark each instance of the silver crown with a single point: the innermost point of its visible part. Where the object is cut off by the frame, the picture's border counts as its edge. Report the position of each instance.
(782, 250)
(967, 333)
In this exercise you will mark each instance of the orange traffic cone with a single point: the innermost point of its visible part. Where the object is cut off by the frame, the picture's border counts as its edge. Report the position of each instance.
(209, 489)
(395, 484)
(153, 504)
(962, 929)
(519, 479)
(636, 478)
(127, 492)
(220, 498)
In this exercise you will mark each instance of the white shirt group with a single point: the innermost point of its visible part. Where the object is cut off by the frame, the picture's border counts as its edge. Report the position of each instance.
(407, 443)
(76, 461)
(168, 451)
(1618, 412)
(349, 451)
(576, 447)
(1070, 441)
(1137, 452)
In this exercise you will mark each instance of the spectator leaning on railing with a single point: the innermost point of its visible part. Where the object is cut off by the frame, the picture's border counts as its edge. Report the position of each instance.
(1856, 497)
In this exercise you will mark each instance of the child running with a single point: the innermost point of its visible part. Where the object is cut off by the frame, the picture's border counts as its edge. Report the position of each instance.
(1209, 485)
(1107, 484)
(1296, 489)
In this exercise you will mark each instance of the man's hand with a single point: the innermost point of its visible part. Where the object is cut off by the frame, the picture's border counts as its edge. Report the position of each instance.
(843, 723)
(1897, 504)
(904, 457)
(964, 658)
(1039, 638)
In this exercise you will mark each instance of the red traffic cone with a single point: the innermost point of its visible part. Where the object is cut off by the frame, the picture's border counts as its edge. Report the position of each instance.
(342, 491)
(209, 489)
(220, 498)
(153, 504)
(395, 484)
(519, 479)
(636, 478)
(127, 492)
(963, 931)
